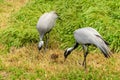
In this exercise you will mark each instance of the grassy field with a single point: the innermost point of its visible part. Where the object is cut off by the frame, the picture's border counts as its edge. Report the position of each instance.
(20, 58)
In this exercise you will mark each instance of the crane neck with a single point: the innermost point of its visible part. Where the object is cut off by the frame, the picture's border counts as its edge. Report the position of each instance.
(72, 48)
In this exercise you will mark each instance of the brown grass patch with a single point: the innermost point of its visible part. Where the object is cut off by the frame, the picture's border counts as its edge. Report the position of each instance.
(7, 8)
(31, 59)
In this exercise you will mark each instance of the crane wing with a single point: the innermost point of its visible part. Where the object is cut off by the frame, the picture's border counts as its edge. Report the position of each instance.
(103, 39)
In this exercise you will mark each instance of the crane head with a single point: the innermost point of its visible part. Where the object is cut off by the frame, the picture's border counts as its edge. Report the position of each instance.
(40, 45)
(58, 16)
(66, 53)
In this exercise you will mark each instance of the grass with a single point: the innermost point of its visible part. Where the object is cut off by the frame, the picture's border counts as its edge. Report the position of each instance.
(101, 15)
(20, 58)
(7, 9)
(28, 63)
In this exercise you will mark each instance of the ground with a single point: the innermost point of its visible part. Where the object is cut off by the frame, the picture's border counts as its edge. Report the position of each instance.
(27, 62)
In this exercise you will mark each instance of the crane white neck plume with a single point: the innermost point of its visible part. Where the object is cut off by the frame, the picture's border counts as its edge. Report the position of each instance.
(70, 49)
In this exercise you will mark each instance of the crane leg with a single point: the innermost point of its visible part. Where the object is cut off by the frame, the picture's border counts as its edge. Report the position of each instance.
(47, 41)
(85, 55)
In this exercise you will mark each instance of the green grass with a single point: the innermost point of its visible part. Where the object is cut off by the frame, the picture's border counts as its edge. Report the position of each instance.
(101, 15)
(90, 75)
(19, 73)
(75, 74)
(1, 1)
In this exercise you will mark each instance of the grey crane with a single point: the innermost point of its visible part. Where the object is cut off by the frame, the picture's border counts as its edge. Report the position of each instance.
(85, 37)
(44, 25)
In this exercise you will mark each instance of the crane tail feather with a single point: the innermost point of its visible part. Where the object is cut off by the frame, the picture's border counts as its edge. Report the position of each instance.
(105, 50)
(103, 46)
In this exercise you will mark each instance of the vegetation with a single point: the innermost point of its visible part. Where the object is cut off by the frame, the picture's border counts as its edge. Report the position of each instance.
(19, 58)
(101, 15)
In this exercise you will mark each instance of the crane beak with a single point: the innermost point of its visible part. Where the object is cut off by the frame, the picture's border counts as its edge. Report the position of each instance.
(58, 16)
(39, 48)
(64, 59)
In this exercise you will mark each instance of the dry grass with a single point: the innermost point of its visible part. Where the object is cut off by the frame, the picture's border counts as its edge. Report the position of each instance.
(7, 8)
(30, 59)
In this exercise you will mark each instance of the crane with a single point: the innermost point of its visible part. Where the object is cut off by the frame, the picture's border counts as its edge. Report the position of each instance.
(88, 36)
(44, 25)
